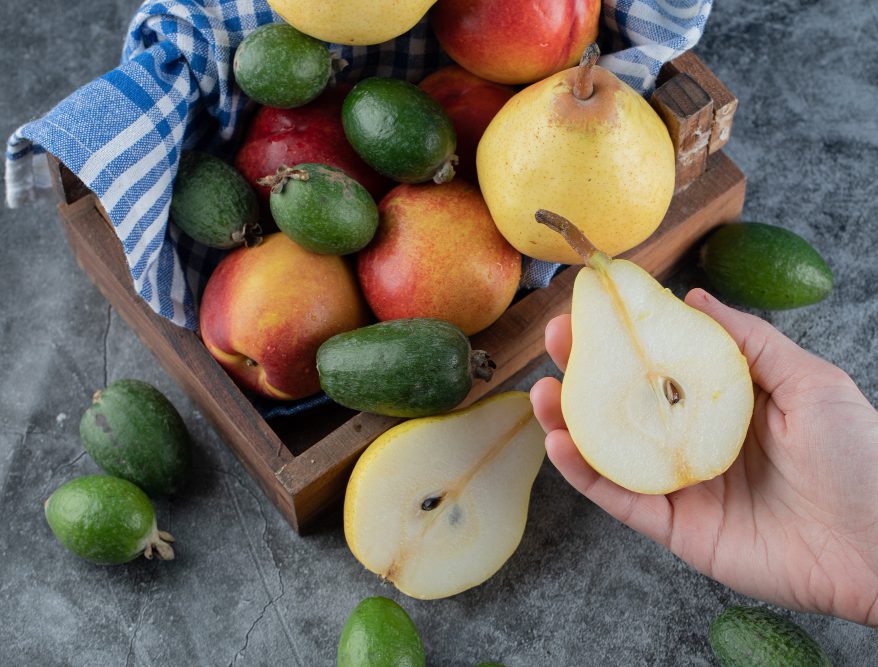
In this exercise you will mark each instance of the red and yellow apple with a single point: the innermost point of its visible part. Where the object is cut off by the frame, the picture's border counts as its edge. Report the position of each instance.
(267, 309)
(437, 253)
(516, 41)
(471, 102)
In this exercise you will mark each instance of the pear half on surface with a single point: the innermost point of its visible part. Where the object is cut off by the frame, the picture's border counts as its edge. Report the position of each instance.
(656, 395)
(437, 505)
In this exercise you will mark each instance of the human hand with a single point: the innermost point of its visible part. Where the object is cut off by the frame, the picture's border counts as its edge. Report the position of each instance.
(794, 520)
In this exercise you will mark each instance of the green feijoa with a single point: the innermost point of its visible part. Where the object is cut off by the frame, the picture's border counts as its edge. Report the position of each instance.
(106, 520)
(132, 431)
(212, 203)
(322, 208)
(757, 637)
(278, 66)
(401, 368)
(379, 633)
(763, 266)
(400, 130)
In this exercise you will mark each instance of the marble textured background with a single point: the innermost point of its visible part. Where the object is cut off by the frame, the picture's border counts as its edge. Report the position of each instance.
(582, 589)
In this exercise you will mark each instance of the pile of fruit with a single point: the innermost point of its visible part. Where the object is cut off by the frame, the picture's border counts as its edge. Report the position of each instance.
(469, 174)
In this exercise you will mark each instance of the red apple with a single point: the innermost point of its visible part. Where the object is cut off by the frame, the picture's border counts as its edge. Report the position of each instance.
(437, 253)
(267, 309)
(516, 41)
(471, 102)
(312, 133)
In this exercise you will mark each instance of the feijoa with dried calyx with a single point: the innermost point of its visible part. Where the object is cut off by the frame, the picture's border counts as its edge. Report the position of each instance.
(764, 266)
(401, 368)
(400, 131)
(132, 431)
(322, 208)
(213, 204)
(106, 520)
(278, 66)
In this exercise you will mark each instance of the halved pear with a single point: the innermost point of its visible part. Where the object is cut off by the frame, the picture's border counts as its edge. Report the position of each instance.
(656, 395)
(437, 505)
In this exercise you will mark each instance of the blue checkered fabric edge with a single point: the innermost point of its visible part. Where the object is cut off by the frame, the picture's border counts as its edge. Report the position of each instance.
(122, 134)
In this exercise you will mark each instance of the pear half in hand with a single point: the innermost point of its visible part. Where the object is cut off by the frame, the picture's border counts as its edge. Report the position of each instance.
(437, 505)
(656, 395)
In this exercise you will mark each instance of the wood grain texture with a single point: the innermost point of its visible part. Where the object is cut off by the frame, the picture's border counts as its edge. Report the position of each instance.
(302, 486)
(687, 111)
(724, 102)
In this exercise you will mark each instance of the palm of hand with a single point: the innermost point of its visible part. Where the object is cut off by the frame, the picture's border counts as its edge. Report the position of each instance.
(794, 520)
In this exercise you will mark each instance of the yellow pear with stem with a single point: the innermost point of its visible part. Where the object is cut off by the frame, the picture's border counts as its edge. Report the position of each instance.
(656, 395)
(585, 145)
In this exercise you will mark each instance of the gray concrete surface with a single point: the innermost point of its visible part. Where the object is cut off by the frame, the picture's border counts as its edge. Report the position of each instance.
(582, 589)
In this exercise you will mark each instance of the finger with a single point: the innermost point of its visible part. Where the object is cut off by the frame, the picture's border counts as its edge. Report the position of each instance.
(545, 396)
(650, 515)
(775, 361)
(559, 340)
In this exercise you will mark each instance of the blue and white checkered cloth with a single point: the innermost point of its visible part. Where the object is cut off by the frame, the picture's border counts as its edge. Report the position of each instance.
(122, 134)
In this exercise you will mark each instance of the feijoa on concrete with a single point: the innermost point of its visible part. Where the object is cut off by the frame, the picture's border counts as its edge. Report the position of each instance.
(379, 633)
(751, 636)
(400, 131)
(132, 431)
(278, 66)
(106, 520)
(322, 208)
(763, 266)
(212, 203)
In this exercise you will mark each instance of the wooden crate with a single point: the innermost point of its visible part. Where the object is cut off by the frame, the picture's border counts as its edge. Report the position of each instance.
(302, 463)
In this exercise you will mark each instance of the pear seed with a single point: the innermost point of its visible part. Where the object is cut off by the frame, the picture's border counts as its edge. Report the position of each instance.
(431, 503)
(672, 392)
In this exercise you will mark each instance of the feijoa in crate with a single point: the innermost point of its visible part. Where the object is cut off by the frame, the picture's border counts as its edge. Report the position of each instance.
(278, 66)
(322, 208)
(763, 266)
(132, 431)
(401, 368)
(400, 131)
(106, 520)
(212, 203)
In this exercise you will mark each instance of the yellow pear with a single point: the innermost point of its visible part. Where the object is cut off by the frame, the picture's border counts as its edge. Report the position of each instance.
(356, 22)
(436, 505)
(656, 395)
(585, 145)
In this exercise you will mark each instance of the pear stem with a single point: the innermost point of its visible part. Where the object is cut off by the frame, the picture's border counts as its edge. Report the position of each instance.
(571, 233)
(584, 85)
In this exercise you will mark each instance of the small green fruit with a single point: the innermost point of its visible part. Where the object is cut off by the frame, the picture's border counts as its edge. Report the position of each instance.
(106, 520)
(379, 633)
(762, 266)
(322, 209)
(278, 66)
(757, 637)
(212, 203)
(132, 431)
(400, 131)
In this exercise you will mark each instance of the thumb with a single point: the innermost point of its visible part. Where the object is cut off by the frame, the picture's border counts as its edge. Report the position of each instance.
(775, 361)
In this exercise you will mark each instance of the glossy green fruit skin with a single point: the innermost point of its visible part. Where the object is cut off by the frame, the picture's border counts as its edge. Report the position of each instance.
(329, 213)
(211, 201)
(102, 519)
(400, 368)
(278, 66)
(132, 431)
(762, 266)
(757, 637)
(398, 129)
(379, 633)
